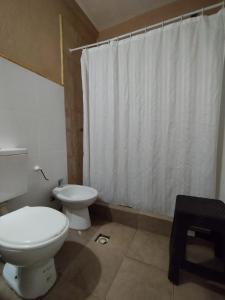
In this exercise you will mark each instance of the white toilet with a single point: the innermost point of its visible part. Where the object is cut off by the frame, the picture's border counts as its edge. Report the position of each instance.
(30, 236)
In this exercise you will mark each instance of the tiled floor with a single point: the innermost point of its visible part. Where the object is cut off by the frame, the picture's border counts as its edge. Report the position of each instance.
(133, 265)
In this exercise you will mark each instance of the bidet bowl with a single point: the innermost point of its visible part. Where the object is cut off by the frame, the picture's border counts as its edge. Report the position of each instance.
(77, 196)
(75, 200)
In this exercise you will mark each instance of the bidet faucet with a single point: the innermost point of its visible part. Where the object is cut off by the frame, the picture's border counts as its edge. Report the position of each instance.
(60, 182)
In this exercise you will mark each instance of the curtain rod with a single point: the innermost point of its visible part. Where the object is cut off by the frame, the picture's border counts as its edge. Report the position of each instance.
(145, 29)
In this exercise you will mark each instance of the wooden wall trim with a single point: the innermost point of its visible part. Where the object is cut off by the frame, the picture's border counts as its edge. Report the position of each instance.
(61, 47)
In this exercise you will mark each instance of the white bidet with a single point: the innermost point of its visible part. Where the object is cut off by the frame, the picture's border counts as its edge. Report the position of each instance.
(75, 200)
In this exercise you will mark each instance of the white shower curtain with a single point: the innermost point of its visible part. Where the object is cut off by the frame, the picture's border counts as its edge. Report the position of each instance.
(151, 114)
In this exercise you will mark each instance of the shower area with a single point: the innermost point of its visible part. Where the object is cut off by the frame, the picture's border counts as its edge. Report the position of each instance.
(153, 105)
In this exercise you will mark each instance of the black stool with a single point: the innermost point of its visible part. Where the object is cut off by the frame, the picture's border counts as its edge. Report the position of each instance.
(202, 213)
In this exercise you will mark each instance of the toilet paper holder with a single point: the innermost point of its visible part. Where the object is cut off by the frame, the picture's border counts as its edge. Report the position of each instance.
(39, 169)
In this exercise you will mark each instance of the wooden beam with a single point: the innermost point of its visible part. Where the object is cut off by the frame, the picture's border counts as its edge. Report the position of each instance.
(61, 47)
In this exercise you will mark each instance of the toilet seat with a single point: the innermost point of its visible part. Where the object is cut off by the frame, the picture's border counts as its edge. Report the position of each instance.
(31, 227)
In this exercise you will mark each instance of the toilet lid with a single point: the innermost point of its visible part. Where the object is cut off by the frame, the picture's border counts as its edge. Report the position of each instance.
(30, 226)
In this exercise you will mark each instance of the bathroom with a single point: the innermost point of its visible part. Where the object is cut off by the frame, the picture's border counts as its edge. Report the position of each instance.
(112, 149)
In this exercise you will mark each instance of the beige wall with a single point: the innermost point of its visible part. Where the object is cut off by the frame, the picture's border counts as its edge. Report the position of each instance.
(73, 102)
(29, 33)
(76, 31)
(155, 16)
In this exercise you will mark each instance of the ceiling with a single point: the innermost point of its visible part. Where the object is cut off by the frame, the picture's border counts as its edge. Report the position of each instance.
(106, 13)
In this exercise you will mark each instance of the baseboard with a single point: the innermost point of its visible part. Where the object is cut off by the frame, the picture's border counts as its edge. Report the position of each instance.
(131, 217)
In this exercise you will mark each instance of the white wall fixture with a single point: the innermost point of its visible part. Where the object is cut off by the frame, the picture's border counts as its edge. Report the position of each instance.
(39, 169)
(75, 200)
(32, 115)
(28, 248)
(14, 173)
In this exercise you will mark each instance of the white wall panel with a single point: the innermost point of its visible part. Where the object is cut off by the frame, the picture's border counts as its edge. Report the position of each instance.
(32, 115)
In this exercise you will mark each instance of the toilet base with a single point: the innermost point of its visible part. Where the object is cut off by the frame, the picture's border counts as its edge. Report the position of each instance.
(30, 282)
(78, 219)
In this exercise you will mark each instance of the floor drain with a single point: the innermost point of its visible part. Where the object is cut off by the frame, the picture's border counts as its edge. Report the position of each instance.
(102, 239)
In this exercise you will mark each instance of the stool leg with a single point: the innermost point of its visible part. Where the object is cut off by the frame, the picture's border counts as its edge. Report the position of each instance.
(219, 240)
(177, 251)
(174, 273)
(217, 245)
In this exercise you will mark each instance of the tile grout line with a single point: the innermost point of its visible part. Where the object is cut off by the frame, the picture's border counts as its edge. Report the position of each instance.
(125, 252)
(161, 270)
(138, 260)
(144, 263)
(124, 256)
(114, 278)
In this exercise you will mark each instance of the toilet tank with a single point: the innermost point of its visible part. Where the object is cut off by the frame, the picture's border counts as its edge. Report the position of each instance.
(13, 173)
